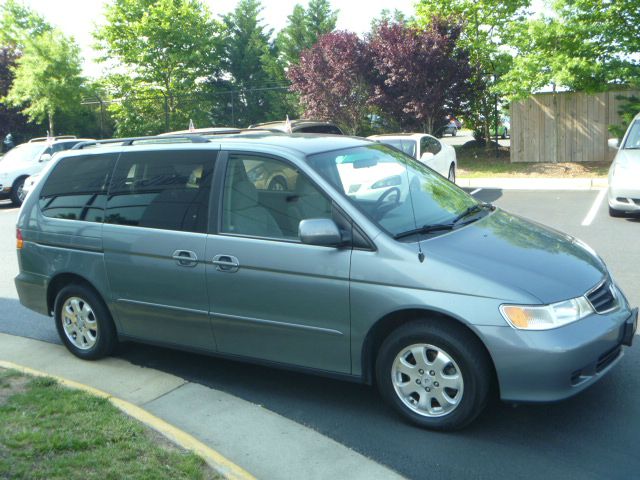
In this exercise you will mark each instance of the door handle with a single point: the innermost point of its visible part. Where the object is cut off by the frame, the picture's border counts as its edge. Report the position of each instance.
(185, 258)
(226, 263)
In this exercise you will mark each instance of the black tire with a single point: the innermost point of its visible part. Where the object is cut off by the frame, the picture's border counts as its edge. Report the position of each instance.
(278, 184)
(462, 347)
(454, 133)
(615, 213)
(105, 332)
(504, 134)
(16, 190)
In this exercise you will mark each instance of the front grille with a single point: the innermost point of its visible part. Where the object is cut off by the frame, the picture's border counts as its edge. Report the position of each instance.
(602, 298)
(608, 358)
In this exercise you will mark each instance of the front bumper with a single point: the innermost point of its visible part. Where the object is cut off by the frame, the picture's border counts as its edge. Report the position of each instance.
(5, 191)
(551, 365)
(624, 199)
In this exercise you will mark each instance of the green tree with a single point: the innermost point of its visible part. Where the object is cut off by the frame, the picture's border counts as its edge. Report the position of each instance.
(19, 23)
(486, 27)
(47, 77)
(586, 45)
(167, 50)
(303, 29)
(251, 63)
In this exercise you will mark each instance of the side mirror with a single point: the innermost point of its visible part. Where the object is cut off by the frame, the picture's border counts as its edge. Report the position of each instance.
(614, 143)
(319, 231)
(45, 157)
(426, 156)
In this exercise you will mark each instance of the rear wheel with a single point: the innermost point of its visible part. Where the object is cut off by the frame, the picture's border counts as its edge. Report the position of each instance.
(84, 323)
(17, 191)
(435, 375)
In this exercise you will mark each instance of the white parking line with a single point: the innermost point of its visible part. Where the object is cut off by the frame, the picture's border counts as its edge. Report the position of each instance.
(594, 208)
(475, 191)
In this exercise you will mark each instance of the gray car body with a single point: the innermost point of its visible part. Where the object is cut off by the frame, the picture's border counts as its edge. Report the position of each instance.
(326, 309)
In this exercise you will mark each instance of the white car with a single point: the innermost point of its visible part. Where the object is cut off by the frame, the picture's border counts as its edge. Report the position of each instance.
(624, 173)
(427, 149)
(25, 160)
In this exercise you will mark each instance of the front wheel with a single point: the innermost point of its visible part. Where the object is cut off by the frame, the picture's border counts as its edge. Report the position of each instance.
(17, 191)
(435, 375)
(84, 323)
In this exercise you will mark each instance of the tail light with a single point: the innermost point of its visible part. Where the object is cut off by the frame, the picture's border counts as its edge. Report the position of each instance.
(19, 240)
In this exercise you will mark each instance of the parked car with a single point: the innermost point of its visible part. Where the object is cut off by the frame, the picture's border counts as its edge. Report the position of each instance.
(421, 290)
(449, 128)
(300, 126)
(624, 173)
(504, 127)
(27, 159)
(427, 149)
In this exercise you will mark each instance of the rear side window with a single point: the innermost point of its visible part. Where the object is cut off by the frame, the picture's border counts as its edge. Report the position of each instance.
(161, 189)
(76, 189)
(329, 129)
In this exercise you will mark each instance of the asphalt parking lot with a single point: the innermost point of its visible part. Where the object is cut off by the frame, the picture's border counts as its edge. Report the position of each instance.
(594, 435)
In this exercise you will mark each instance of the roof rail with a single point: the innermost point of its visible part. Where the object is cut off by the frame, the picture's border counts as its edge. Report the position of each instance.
(127, 142)
(59, 137)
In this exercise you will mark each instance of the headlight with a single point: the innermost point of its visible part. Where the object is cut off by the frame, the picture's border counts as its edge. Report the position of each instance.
(545, 317)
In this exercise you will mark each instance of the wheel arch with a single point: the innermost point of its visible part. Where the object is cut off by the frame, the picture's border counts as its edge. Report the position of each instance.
(384, 326)
(61, 280)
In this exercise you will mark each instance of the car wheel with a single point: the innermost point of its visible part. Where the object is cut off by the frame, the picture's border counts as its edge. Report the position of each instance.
(17, 191)
(615, 213)
(452, 173)
(84, 323)
(278, 184)
(454, 133)
(435, 375)
(504, 134)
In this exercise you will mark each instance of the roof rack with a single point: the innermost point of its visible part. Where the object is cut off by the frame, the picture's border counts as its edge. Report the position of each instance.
(44, 139)
(127, 142)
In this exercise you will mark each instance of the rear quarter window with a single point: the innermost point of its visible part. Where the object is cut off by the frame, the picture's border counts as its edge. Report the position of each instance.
(76, 189)
(167, 190)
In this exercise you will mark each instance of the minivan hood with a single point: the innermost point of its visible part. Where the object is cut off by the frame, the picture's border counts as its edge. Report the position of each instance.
(520, 254)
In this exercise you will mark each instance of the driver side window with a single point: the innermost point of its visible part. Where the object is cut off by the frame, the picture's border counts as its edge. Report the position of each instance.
(268, 198)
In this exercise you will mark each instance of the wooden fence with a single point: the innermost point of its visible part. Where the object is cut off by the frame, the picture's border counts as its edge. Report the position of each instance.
(564, 127)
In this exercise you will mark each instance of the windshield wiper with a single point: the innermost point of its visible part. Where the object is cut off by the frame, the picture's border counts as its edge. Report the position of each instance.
(438, 227)
(473, 209)
(425, 229)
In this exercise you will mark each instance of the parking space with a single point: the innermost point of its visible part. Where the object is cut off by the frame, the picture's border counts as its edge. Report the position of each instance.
(593, 435)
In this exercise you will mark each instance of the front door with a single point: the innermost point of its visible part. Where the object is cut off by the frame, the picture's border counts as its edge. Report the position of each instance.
(154, 242)
(272, 297)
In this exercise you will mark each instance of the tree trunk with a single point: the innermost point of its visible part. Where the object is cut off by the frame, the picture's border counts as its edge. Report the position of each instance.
(51, 131)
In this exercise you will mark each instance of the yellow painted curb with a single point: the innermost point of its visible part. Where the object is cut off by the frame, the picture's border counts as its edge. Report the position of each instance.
(215, 460)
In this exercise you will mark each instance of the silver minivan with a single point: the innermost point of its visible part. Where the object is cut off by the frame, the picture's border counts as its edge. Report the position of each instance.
(366, 266)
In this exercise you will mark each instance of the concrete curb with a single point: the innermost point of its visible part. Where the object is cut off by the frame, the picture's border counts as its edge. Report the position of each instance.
(215, 460)
(534, 183)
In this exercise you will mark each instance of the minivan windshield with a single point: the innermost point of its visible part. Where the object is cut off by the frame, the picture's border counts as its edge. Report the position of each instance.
(394, 190)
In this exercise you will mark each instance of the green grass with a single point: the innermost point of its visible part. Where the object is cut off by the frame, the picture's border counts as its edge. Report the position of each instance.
(51, 432)
(475, 162)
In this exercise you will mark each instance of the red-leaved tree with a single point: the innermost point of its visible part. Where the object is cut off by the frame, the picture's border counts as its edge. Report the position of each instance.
(420, 75)
(333, 80)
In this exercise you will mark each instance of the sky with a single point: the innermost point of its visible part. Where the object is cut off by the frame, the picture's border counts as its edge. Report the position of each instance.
(78, 18)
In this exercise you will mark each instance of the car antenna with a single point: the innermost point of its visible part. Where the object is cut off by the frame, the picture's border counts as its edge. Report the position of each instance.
(413, 211)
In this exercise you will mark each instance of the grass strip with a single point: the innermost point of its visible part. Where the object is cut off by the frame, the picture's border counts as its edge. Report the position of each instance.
(48, 431)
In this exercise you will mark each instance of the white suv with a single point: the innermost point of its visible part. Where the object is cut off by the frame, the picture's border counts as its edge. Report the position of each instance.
(28, 159)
